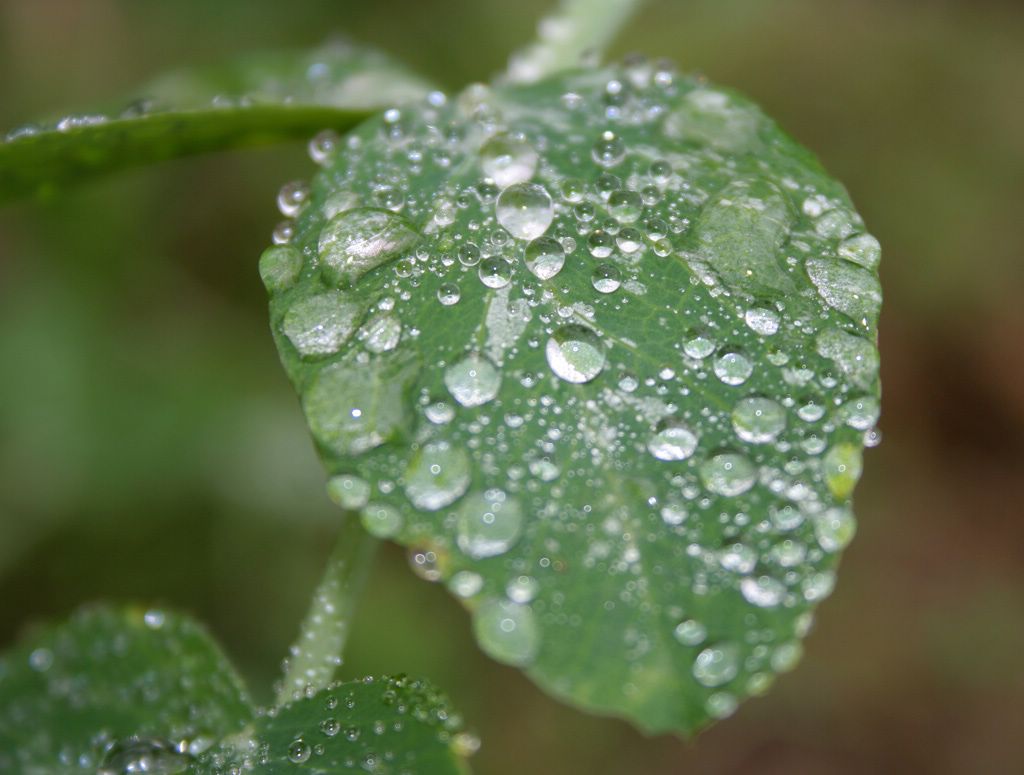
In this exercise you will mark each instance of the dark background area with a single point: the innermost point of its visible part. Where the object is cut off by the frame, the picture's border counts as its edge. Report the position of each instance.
(151, 449)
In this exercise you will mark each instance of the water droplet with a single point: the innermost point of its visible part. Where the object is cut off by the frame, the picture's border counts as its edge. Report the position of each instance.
(299, 752)
(609, 149)
(835, 528)
(728, 474)
(473, 381)
(488, 524)
(674, 514)
(507, 631)
(522, 589)
(381, 333)
(625, 206)
(323, 146)
(717, 665)
(860, 413)
(699, 345)
(508, 160)
(721, 705)
(352, 407)
(690, 632)
(466, 583)
(348, 491)
(449, 294)
(672, 441)
(525, 210)
(40, 660)
(842, 467)
(330, 726)
(758, 420)
(862, 249)
(357, 241)
(606, 278)
(381, 520)
(279, 267)
(437, 475)
(143, 754)
(762, 321)
(292, 197)
(424, 563)
(600, 243)
(495, 272)
(733, 368)
(786, 656)
(154, 618)
(544, 257)
(575, 353)
(763, 591)
(319, 325)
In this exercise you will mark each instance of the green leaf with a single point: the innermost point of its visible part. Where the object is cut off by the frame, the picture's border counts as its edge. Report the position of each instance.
(116, 690)
(601, 352)
(115, 685)
(256, 100)
(380, 725)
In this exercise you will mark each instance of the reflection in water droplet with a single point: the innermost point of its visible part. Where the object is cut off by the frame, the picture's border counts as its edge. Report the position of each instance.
(728, 473)
(473, 381)
(672, 441)
(437, 475)
(507, 631)
(508, 160)
(544, 257)
(525, 210)
(488, 524)
(575, 353)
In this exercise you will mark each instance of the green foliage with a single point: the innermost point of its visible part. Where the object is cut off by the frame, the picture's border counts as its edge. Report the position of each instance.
(600, 351)
(256, 100)
(131, 691)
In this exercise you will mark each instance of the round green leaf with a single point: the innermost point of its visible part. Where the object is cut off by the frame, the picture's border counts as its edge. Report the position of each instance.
(610, 377)
(112, 687)
(383, 725)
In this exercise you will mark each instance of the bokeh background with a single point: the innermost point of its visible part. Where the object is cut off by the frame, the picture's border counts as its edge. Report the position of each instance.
(151, 449)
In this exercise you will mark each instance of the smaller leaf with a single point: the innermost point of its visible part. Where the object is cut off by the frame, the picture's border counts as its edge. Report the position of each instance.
(255, 100)
(112, 686)
(381, 725)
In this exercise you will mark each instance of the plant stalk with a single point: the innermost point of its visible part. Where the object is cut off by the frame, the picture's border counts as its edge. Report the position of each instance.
(577, 29)
(316, 655)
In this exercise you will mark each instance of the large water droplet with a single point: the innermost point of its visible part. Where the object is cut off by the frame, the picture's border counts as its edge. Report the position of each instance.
(609, 149)
(319, 325)
(495, 272)
(733, 367)
(575, 353)
(357, 241)
(381, 520)
(473, 381)
(508, 160)
(672, 441)
(763, 591)
(758, 420)
(717, 665)
(507, 631)
(143, 754)
(544, 257)
(437, 475)
(525, 210)
(728, 473)
(488, 524)
(279, 267)
(348, 491)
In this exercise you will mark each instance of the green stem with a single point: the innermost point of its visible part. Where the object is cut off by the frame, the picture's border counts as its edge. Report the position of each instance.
(577, 28)
(317, 653)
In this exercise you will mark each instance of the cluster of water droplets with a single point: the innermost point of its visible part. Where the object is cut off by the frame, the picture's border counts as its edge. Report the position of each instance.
(600, 334)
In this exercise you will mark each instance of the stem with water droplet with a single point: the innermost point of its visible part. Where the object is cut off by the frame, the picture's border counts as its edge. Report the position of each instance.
(577, 28)
(316, 655)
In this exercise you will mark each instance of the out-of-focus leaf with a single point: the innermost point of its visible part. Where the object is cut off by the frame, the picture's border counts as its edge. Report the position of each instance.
(380, 725)
(601, 352)
(114, 686)
(256, 100)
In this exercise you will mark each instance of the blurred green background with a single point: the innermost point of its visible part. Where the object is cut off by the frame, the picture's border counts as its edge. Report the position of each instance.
(151, 449)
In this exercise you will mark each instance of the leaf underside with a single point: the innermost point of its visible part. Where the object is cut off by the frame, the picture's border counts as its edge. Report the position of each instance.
(256, 100)
(127, 690)
(601, 352)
